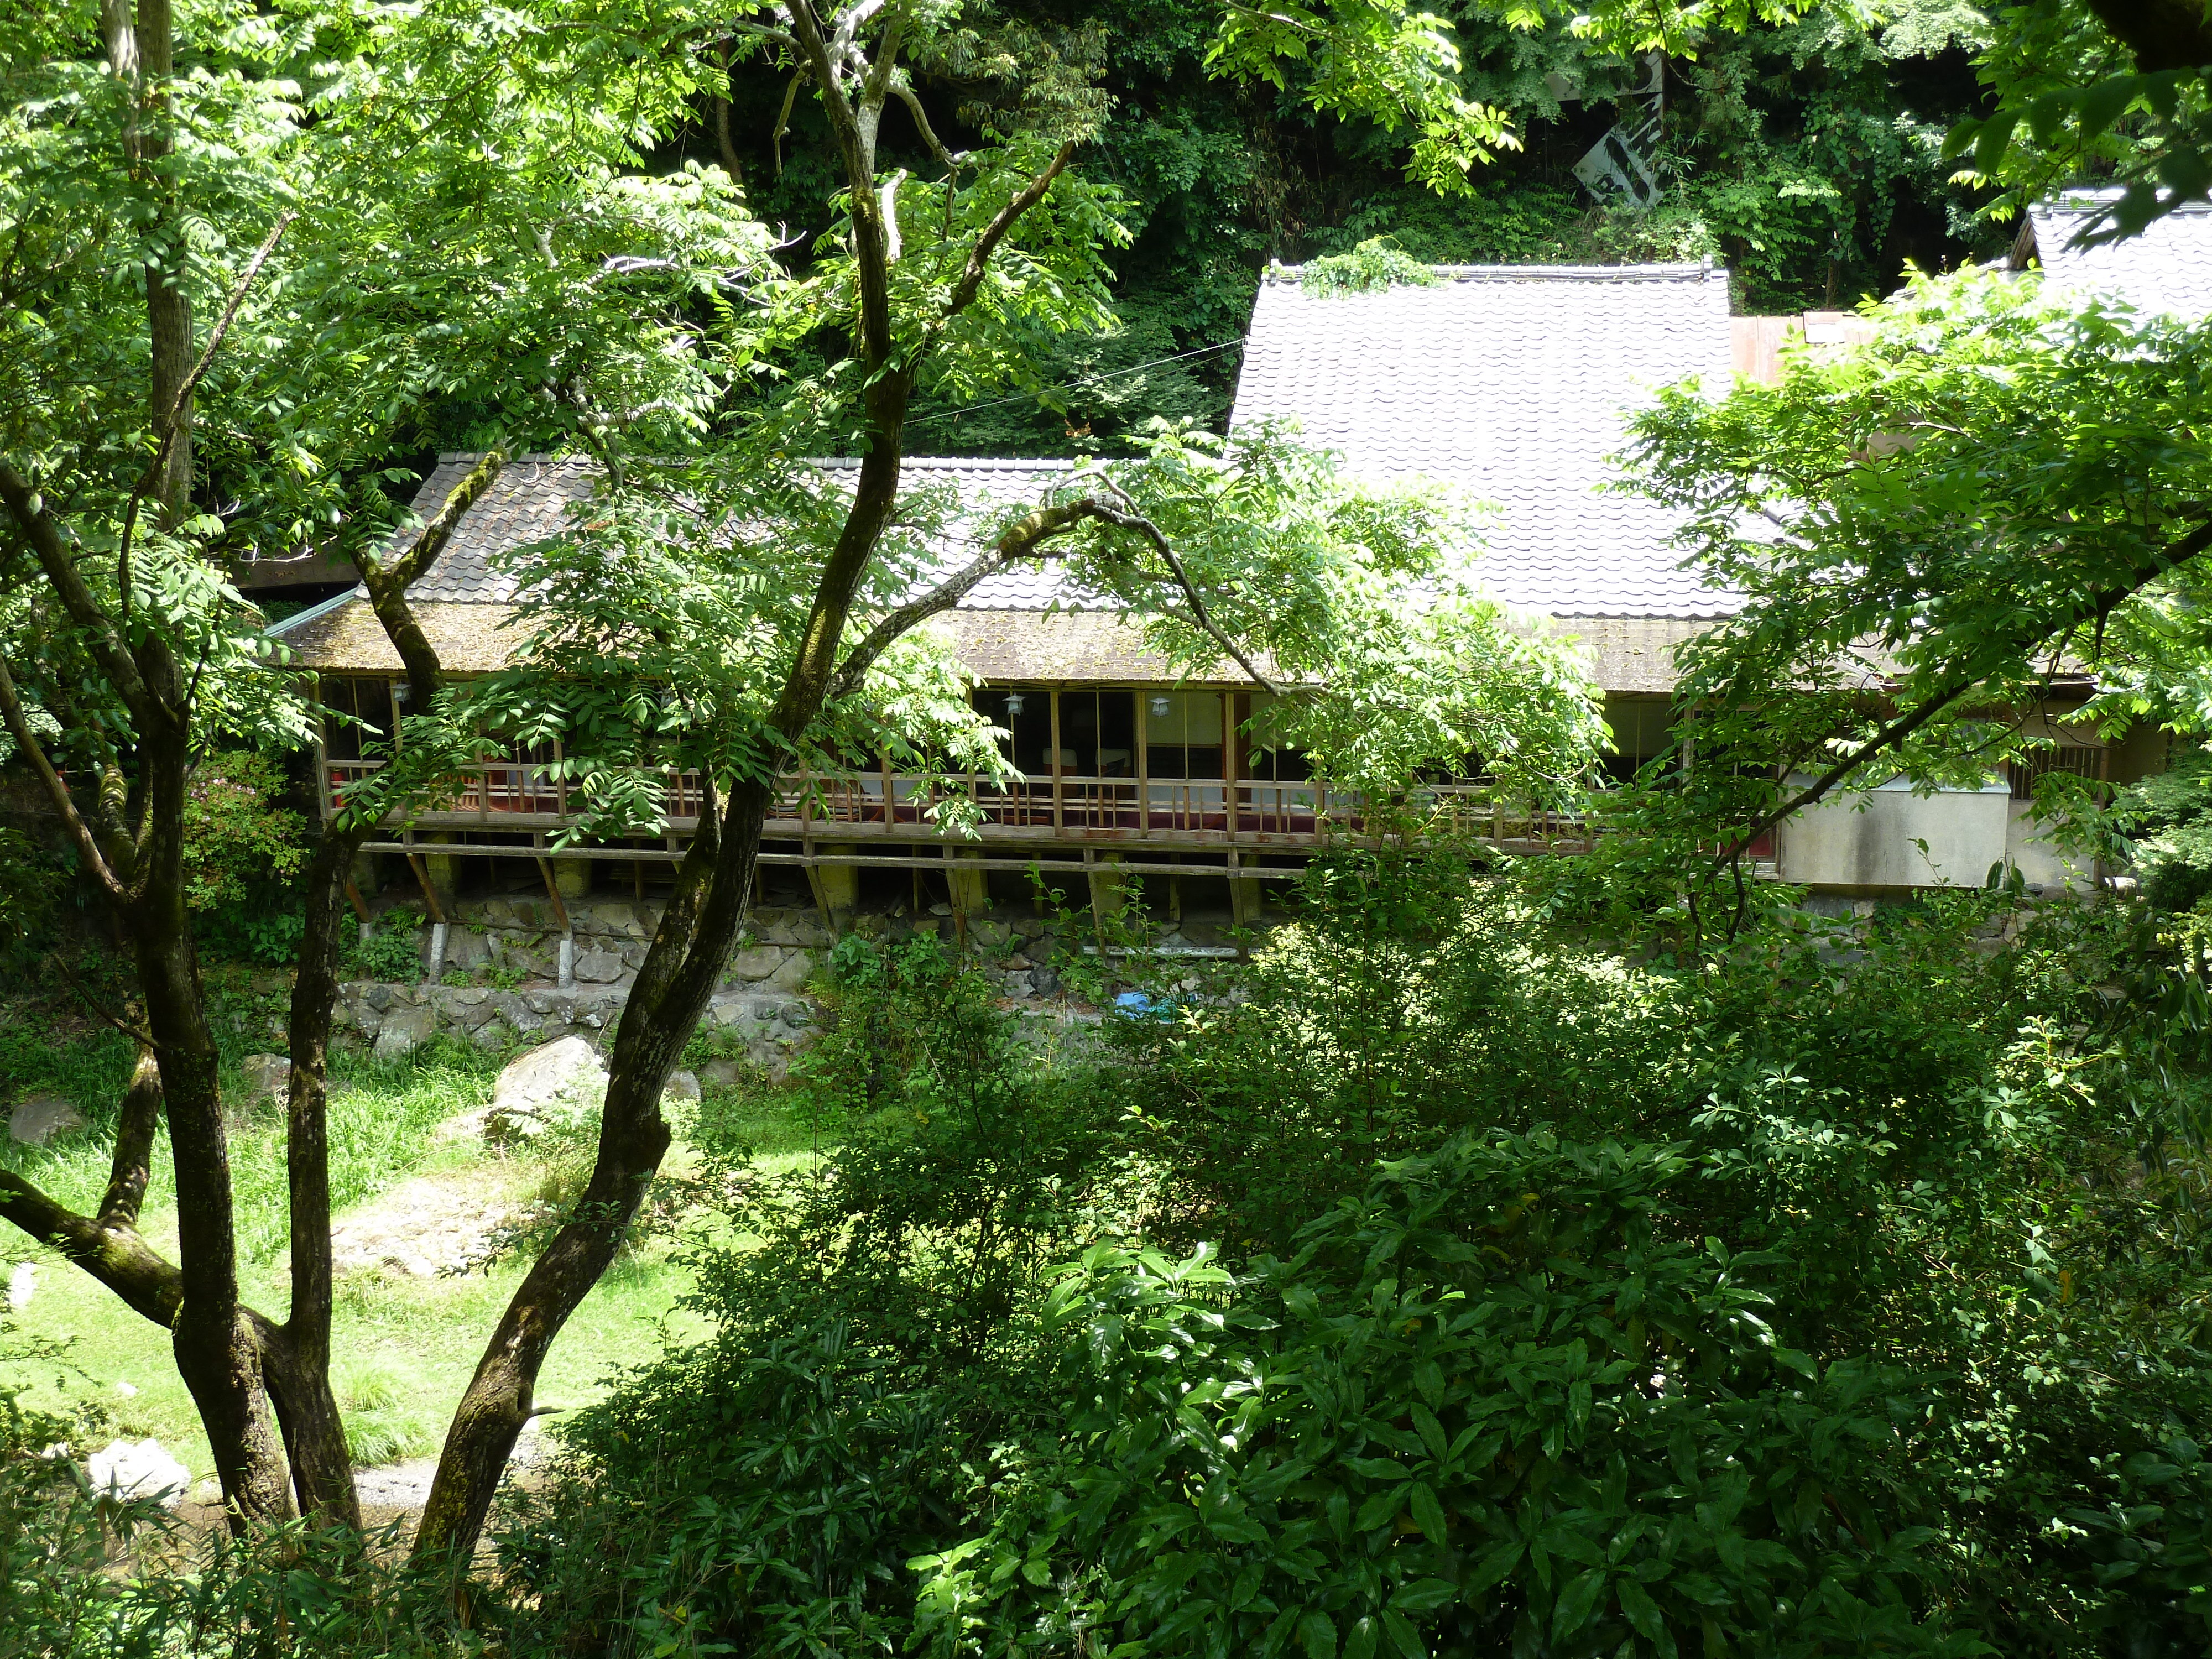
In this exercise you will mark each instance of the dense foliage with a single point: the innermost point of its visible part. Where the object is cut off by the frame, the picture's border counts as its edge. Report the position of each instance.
(1803, 151)
(1839, 1298)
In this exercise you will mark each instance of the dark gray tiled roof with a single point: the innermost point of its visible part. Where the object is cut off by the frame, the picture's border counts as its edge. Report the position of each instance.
(2168, 268)
(530, 498)
(1508, 382)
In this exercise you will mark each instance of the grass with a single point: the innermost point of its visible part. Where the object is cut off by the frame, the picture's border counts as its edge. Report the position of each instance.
(404, 1347)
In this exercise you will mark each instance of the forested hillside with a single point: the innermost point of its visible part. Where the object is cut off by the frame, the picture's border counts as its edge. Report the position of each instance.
(1805, 155)
(758, 1039)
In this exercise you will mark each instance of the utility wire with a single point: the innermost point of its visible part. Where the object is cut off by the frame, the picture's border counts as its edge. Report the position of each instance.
(1081, 379)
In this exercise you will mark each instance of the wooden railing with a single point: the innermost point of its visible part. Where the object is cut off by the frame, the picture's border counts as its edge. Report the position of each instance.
(522, 796)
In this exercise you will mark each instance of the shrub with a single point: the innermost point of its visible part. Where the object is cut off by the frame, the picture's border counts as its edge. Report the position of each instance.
(1843, 1294)
(389, 951)
(1374, 263)
(1488, 1405)
(875, 1366)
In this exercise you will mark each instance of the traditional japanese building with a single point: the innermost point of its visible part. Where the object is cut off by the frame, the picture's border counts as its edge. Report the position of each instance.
(1511, 384)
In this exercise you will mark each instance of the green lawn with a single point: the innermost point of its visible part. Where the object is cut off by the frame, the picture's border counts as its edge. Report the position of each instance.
(404, 1345)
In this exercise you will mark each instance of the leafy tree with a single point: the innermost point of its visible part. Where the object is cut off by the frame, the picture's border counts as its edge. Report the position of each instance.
(174, 400)
(2101, 88)
(1930, 530)
(217, 337)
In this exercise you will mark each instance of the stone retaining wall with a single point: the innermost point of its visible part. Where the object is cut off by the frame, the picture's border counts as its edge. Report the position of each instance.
(498, 982)
(393, 1019)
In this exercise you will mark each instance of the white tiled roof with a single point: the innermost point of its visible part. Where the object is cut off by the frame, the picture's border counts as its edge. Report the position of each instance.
(1508, 382)
(2166, 269)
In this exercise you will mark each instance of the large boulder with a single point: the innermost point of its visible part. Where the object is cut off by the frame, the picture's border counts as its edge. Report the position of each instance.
(598, 966)
(139, 1468)
(404, 1030)
(536, 1085)
(37, 1120)
(682, 1086)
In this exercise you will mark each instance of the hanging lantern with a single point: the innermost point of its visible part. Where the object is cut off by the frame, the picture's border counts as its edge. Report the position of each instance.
(1013, 702)
(1160, 706)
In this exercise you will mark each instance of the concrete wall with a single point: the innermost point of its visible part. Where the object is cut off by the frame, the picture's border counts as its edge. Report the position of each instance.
(2040, 864)
(1868, 840)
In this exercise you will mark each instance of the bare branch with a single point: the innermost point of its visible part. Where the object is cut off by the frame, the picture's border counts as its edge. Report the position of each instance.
(2096, 607)
(903, 91)
(730, 162)
(891, 244)
(1143, 526)
(131, 1165)
(80, 832)
(387, 584)
(115, 1255)
(979, 257)
(783, 120)
(855, 139)
(848, 25)
(781, 37)
(1888, 737)
(1024, 538)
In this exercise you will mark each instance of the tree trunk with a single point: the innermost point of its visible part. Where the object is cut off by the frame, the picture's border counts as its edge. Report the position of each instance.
(168, 308)
(314, 1433)
(691, 947)
(698, 930)
(218, 1353)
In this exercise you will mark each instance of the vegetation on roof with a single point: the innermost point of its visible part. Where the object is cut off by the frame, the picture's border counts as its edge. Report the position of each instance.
(1376, 264)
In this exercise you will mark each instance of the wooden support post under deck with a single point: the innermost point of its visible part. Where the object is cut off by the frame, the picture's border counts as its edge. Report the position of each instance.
(814, 886)
(430, 893)
(1144, 701)
(553, 892)
(1244, 894)
(1057, 817)
(360, 905)
(1228, 766)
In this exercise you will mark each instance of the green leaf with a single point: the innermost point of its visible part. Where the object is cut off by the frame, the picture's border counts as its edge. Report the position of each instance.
(1641, 1612)
(2104, 103)
(1317, 1635)
(1429, 1382)
(1993, 141)
(1361, 1642)
(1428, 1513)
(1496, 1565)
(1381, 1509)
(1424, 1595)
(1431, 1432)
(1578, 1602)
(1402, 1634)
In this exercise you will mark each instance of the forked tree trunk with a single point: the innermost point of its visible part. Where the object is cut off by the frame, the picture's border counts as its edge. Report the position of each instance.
(299, 1364)
(217, 1348)
(691, 947)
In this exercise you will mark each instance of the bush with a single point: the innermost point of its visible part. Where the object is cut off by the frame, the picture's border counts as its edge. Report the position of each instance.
(1843, 1294)
(389, 951)
(876, 1367)
(1487, 1407)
